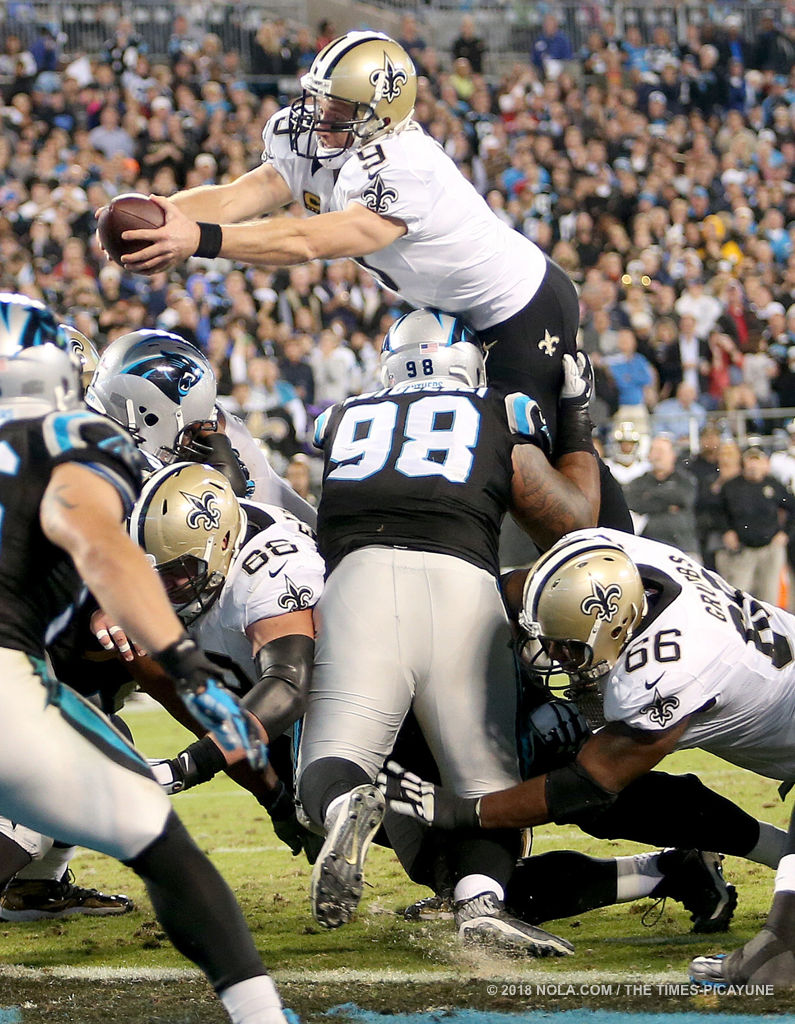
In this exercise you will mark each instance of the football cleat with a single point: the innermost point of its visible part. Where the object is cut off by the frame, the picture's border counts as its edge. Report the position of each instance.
(338, 874)
(483, 920)
(42, 900)
(763, 960)
(695, 879)
(438, 907)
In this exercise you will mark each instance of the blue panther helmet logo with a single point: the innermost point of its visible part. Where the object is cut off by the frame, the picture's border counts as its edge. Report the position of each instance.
(170, 373)
(205, 511)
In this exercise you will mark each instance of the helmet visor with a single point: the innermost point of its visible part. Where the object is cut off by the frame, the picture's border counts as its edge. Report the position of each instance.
(573, 656)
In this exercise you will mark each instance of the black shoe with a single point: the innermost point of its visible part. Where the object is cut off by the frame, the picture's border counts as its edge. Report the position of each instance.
(338, 874)
(763, 960)
(483, 920)
(41, 900)
(438, 907)
(695, 879)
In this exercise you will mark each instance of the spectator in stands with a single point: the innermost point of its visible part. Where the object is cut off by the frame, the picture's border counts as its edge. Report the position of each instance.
(411, 39)
(334, 369)
(298, 474)
(782, 464)
(773, 49)
(295, 368)
(627, 461)
(551, 48)
(704, 467)
(688, 358)
(469, 44)
(681, 417)
(634, 376)
(665, 497)
(755, 513)
(121, 50)
(109, 137)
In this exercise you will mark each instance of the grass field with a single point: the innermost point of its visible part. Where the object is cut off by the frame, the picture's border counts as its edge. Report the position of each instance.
(125, 970)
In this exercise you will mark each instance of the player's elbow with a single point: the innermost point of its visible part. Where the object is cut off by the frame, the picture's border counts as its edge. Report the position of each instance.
(284, 667)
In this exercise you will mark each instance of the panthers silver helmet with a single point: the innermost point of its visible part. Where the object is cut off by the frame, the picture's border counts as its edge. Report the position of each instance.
(189, 522)
(366, 72)
(427, 343)
(582, 602)
(154, 384)
(38, 371)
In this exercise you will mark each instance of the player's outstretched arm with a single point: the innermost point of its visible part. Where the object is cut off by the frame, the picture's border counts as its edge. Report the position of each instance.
(607, 762)
(277, 242)
(255, 193)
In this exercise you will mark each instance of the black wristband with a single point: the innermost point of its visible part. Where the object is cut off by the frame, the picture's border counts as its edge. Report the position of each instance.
(211, 237)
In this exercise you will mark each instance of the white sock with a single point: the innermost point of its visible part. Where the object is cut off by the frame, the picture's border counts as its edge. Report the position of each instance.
(332, 811)
(785, 876)
(474, 885)
(637, 876)
(50, 867)
(253, 1001)
(770, 845)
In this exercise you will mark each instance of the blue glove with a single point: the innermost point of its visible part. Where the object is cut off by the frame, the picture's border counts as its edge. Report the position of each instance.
(209, 702)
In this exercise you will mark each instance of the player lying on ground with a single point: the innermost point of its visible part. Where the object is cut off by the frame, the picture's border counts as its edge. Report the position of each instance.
(684, 660)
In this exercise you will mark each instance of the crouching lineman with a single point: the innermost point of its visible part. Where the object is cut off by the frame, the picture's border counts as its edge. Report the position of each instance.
(684, 660)
(67, 479)
(417, 479)
(244, 579)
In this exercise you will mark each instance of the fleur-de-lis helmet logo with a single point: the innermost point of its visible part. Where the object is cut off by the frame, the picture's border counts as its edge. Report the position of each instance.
(205, 511)
(388, 81)
(602, 601)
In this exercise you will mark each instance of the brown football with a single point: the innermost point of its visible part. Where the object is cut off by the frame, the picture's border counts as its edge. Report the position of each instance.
(131, 211)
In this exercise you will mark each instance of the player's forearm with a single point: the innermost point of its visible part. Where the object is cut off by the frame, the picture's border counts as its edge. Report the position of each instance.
(118, 574)
(518, 807)
(287, 241)
(217, 204)
(582, 470)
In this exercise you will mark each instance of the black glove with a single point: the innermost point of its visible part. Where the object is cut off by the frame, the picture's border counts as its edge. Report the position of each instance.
(210, 703)
(408, 794)
(289, 829)
(550, 736)
(574, 417)
(216, 450)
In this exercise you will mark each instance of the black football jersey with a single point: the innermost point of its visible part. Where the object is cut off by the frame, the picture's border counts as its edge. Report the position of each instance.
(425, 466)
(39, 585)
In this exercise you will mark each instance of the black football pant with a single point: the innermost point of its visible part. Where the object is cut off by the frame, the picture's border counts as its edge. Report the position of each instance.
(525, 353)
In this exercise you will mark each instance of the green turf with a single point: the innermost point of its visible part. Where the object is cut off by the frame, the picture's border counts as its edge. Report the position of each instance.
(272, 887)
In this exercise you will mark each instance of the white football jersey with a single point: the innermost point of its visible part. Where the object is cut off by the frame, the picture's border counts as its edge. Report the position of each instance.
(277, 570)
(712, 652)
(269, 487)
(456, 255)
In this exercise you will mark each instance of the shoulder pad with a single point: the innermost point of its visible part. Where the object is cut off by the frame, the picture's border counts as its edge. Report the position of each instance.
(321, 426)
(73, 431)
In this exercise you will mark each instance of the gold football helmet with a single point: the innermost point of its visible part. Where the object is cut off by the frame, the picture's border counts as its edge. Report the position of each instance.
(191, 525)
(583, 601)
(367, 71)
(84, 350)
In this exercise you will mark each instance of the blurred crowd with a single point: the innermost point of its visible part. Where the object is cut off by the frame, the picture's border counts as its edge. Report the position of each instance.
(657, 171)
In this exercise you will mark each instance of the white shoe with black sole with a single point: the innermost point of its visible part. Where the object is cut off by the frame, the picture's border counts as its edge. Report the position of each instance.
(483, 920)
(338, 874)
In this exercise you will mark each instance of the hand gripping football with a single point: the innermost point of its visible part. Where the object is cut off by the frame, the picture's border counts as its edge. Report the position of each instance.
(128, 212)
